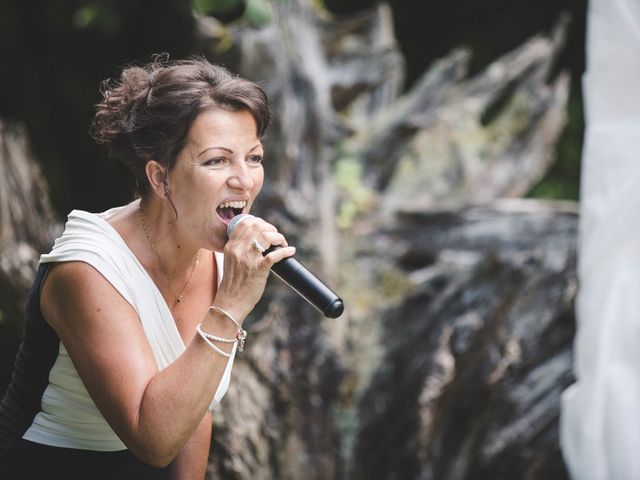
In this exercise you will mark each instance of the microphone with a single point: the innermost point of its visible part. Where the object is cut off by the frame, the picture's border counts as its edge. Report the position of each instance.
(300, 279)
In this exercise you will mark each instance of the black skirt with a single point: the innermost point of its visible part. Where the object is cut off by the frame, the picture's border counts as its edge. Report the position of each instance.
(27, 460)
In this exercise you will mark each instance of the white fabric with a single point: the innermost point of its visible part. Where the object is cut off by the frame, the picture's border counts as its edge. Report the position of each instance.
(69, 417)
(600, 421)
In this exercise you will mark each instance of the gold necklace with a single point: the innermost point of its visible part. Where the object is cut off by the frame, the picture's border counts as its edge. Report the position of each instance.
(162, 269)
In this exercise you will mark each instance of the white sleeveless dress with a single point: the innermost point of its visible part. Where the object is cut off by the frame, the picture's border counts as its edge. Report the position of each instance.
(69, 417)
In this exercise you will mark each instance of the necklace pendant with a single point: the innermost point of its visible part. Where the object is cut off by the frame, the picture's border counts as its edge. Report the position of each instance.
(160, 264)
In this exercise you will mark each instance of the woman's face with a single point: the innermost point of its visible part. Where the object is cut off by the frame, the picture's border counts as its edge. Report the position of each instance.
(218, 174)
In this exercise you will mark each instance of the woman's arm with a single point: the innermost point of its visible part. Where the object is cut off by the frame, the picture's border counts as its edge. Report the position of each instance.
(153, 412)
(191, 462)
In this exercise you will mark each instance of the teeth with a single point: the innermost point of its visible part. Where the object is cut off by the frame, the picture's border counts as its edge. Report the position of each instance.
(235, 204)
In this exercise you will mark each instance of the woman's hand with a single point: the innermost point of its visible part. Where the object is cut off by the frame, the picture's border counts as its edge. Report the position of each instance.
(245, 268)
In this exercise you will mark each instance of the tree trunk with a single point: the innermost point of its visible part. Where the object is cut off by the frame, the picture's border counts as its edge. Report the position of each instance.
(27, 228)
(456, 341)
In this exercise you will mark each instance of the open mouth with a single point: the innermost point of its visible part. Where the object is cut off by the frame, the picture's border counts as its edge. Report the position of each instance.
(228, 210)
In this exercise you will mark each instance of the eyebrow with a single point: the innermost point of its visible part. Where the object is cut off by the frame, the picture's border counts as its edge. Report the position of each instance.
(228, 150)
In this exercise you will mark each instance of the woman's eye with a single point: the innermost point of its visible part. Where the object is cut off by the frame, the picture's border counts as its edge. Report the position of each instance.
(215, 161)
(255, 159)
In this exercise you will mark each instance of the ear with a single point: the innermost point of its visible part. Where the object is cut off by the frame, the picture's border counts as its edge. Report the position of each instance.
(157, 179)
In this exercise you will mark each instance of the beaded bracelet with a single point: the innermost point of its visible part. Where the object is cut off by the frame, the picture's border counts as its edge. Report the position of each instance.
(241, 335)
(220, 339)
(205, 337)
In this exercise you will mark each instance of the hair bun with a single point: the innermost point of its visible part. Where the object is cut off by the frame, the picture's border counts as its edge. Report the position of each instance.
(120, 99)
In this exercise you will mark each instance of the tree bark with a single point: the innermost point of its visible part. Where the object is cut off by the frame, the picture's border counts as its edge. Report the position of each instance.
(27, 228)
(456, 341)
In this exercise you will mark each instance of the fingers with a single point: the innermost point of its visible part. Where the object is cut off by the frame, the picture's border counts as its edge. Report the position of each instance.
(250, 224)
(246, 269)
(255, 229)
(251, 238)
(280, 254)
(263, 243)
(267, 239)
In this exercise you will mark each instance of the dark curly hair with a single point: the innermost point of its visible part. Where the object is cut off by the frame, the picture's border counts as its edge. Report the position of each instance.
(146, 114)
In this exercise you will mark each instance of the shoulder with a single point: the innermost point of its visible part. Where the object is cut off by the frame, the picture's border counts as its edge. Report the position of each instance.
(84, 234)
(65, 276)
(92, 248)
(76, 292)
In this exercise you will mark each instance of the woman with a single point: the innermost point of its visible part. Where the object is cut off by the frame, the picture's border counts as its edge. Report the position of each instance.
(134, 320)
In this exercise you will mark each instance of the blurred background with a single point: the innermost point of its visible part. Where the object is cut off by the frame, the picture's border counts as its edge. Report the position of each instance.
(54, 56)
(447, 180)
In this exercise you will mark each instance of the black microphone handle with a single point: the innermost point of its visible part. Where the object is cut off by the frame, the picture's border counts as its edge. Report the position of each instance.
(308, 286)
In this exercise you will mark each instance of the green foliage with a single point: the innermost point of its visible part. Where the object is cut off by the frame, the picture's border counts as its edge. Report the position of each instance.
(96, 16)
(393, 284)
(258, 12)
(562, 180)
(216, 7)
(255, 12)
(356, 197)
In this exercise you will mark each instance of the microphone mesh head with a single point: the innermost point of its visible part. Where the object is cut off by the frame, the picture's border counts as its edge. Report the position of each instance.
(235, 221)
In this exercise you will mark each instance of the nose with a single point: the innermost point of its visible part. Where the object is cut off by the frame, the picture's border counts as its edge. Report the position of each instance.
(240, 178)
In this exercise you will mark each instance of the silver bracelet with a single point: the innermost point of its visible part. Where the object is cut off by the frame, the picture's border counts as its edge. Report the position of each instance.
(215, 338)
(220, 339)
(205, 337)
(241, 335)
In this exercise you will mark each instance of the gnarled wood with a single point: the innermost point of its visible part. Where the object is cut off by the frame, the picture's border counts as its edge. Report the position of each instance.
(456, 342)
(27, 225)
(27, 228)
